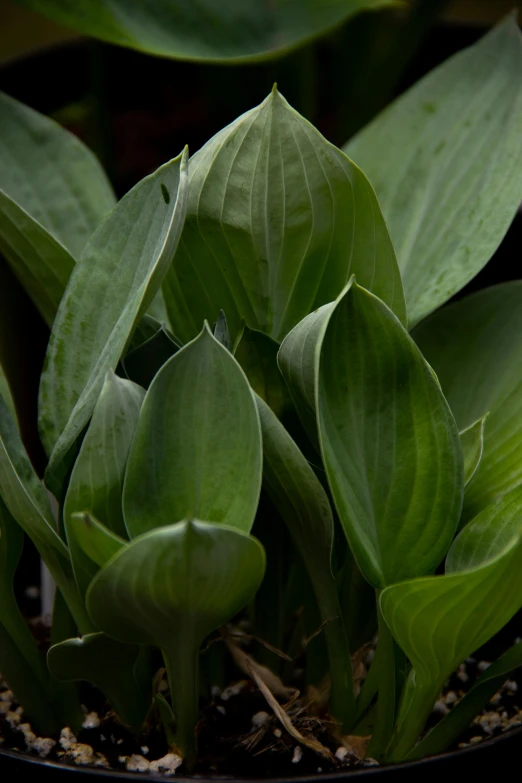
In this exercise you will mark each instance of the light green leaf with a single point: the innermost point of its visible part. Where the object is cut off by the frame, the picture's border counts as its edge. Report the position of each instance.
(472, 442)
(51, 175)
(197, 448)
(439, 621)
(96, 482)
(446, 162)
(449, 729)
(277, 220)
(237, 31)
(117, 277)
(303, 504)
(21, 664)
(91, 545)
(53, 194)
(111, 667)
(28, 502)
(257, 355)
(40, 262)
(475, 347)
(390, 445)
(172, 587)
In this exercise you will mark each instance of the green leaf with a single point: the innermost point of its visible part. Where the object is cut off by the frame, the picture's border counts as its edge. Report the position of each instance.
(96, 482)
(475, 347)
(39, 261)
(449, 729)
(171, 588)
(91, 545)
(142, 364)
(302, 502)
(439, 621)
(257, 355)
(277, 220)
(221, 332)
(53, 194)
(111, 667)
(390, 445)
(25, 497)
(197, 448)
(446, 162)
(20, 661)
(237, 31)
(51, 175)
(5, 394)
(472, 442)
(118, 275)
(147, 327)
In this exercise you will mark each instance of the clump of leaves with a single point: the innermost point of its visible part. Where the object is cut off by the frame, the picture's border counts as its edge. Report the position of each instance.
(241, 344)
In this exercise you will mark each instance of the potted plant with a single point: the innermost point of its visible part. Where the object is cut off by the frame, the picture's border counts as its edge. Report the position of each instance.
(274, 457)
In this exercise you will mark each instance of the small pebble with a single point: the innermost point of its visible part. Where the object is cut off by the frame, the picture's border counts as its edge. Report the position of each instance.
(260, 719)
(341, 753)
(167, 765)
(450, 697)
(511, 686)
(144, 750)
(278, 733)
(298, 755)
(92, 721)
(440, 707)
(476, 740)
(233, 690)
(221, 709)
(483, 665)
(136, 763)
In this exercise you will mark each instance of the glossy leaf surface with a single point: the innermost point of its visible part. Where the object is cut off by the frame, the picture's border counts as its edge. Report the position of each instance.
(197, 448)
(117, 277)
(389, 442)
(446, 162)
(240, 30)
(475, 347)
(472, 442)
(277, 220)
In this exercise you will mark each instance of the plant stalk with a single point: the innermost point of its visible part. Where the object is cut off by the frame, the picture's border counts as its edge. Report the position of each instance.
(409, 730)
(182, 664)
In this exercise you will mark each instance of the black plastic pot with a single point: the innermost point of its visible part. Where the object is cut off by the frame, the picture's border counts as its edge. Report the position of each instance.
(477, 763)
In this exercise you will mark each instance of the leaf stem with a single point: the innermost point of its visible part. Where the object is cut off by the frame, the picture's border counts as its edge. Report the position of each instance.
(386, 699)
(407, 733)
(342, 699)
(182, 664)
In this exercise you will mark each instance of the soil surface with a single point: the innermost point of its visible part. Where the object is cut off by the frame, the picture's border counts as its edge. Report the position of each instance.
(241, 732)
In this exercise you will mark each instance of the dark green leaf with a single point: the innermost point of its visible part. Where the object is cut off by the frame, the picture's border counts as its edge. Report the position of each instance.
(472, 442)
(257, 355)
(237, 31)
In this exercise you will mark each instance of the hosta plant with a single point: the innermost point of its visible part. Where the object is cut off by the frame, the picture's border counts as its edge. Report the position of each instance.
(254, 410)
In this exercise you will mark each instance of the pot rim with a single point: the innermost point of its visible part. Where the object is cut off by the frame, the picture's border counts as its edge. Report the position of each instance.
(329, 777)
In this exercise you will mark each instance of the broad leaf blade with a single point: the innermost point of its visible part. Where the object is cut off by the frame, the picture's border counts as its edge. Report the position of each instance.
(238, 31)
(278, 219)
(439, 621)
(390, 445)
(197, 447)
(96, 482)
(118, 275)
(40, 262)
(51, 175)
(111, 666)
(475, 347)
(171, 588)
(446, 162)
